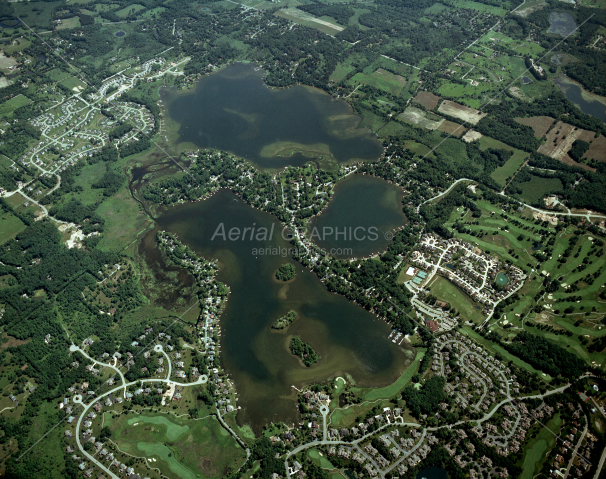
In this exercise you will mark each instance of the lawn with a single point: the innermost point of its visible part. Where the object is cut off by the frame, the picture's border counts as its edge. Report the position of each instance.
(443, 289)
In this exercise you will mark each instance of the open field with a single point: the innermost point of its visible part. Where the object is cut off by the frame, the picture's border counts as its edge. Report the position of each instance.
(130, 10)
(11, 226)
(529, 7)
(539, 124)
(381, 79)
(468, 115)
(341, 71)
(480, 7)
(58, 75)
(427, 99)
(304, 18)
(73, 84)
(11, 105)
(512, 165)
(538, 187)
(66, 23)
(446, 291)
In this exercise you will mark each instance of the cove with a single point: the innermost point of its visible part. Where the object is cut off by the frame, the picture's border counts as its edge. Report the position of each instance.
(234, 110)
(348, 339)
(360, 217)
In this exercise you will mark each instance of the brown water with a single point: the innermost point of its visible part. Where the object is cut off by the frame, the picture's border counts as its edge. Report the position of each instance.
(348, 339)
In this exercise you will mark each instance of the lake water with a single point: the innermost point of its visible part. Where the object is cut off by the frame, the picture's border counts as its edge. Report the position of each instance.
(348, 339)
(432, 473)
(365, 210)
(233, 110)
(561, 23)
(575, 94)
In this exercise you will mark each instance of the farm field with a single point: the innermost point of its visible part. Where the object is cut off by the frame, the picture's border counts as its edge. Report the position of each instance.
(539, 124)
(427, 99)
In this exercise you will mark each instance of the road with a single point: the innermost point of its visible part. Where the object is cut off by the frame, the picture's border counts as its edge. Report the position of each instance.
(576, 450)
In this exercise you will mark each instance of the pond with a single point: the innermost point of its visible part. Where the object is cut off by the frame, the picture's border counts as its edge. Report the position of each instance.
(526, 80)
(360, 218)
(348, 339)
(233, 110)
(432, 473)
(502, 279)
(587, 102)
(561, 23)
(120, 33)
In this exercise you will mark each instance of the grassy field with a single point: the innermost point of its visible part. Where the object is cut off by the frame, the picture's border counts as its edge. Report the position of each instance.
(36, 14)
(181, 446)
(130, 10)
(518, 158)
(538, 187)
(11, 226)
(534, 452)
(11, 105)
(73, 82)
(480, 7)
(443, 289)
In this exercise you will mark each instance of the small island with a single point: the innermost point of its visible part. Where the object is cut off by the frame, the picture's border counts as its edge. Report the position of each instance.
(284, 321)
(304, 351)
(286, 272)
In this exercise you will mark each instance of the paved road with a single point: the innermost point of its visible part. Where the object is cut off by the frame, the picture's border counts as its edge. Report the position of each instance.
(576, 449)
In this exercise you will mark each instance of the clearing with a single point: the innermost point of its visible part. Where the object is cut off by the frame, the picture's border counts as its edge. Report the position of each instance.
(462, 112)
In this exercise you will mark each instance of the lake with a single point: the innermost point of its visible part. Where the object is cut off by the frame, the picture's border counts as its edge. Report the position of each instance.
(586, 101)
(365, 210)
(234, 110)
(348, 339)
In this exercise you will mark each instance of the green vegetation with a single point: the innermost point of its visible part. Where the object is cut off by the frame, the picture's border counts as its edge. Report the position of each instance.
(304, 351)
(286, 272)
(285, 320)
